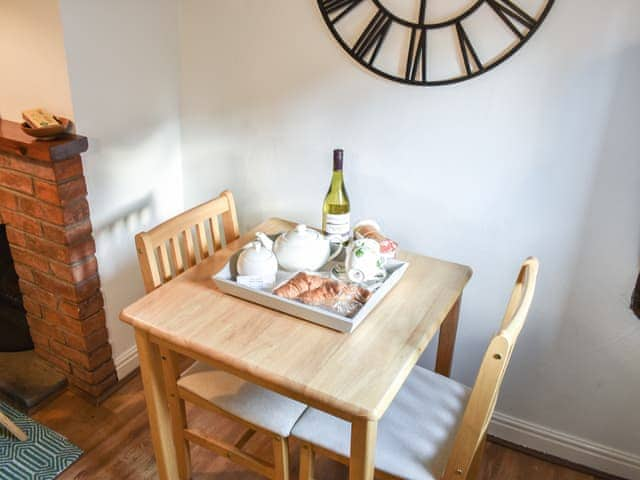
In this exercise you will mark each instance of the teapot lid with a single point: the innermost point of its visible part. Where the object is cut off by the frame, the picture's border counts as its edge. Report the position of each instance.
(256, 251)
(301, 233)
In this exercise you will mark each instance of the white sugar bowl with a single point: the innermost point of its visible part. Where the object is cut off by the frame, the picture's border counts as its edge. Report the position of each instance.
(257, 259)
(303, 249)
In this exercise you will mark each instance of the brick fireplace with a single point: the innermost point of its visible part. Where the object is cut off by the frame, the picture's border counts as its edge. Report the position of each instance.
(44, 208)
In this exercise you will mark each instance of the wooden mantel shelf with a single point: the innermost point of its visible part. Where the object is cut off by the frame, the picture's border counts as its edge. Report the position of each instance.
(13, 140)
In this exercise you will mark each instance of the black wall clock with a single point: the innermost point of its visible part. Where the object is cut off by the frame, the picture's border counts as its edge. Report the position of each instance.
(432, 42)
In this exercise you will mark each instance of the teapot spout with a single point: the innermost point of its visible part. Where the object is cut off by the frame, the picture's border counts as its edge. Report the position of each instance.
(265, 241)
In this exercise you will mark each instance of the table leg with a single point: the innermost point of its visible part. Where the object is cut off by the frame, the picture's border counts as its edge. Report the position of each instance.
(177, 411)
(363, 448)
(157, 406)
(447, 340)
(307, 462)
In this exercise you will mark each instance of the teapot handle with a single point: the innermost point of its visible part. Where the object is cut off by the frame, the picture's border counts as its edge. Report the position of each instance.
(266, 241)
(336, 253)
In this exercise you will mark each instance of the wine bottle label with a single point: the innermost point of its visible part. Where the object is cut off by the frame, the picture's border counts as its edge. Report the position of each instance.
(338, 226)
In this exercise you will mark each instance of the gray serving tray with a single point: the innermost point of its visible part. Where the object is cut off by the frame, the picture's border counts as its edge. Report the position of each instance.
(225, 280)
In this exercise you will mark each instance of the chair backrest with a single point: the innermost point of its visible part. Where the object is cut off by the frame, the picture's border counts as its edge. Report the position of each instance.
(179, 243)
(484, 395)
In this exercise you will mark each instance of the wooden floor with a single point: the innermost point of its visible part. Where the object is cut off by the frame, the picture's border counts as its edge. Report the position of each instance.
(115, 438)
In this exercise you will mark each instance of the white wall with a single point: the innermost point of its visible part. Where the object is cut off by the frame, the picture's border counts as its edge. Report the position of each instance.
(32, 59)
(538, 157)
(123, 67)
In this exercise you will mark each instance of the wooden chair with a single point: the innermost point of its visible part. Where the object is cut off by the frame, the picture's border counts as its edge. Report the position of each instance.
(435, 428)
(164, 252)
(172, 241)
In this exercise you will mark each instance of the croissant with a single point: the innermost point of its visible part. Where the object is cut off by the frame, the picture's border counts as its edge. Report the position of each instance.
(324, 295)
(299, 284)
(332, 293)
(345, 299)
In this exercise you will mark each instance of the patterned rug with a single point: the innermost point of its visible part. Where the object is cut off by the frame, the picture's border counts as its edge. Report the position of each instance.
(42, 457)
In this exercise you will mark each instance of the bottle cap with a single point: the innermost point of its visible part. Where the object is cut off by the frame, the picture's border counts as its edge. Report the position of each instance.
(338, 156)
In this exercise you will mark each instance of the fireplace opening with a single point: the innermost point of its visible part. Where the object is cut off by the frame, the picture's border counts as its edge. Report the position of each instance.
(14, 330)
(26, 380)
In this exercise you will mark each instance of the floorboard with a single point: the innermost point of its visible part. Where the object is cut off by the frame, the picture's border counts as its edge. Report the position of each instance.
(117, 444)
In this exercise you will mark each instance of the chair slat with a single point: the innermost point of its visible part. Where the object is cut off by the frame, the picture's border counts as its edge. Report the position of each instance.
(176, 254)
(163, 263)
(188, 248)
(203, 243)
(215, 233)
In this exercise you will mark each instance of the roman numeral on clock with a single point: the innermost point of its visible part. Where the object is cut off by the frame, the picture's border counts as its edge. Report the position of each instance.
(372, 38)
(466, 48)
(418, 50)
(417, 56)
(509, 13)
(341, 6)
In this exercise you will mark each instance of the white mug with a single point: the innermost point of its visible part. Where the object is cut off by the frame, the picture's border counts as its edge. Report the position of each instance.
(364, 262)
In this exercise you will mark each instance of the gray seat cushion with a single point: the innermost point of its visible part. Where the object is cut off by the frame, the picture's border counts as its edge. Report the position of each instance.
(415, 435)
(258, 406)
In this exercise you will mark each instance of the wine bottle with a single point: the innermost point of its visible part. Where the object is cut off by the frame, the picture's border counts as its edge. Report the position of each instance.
(336, 209)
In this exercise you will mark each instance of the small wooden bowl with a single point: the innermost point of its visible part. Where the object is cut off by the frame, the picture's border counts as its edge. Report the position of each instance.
(48, 133)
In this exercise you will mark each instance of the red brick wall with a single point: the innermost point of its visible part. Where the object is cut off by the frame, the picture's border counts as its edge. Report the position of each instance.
(45, 209)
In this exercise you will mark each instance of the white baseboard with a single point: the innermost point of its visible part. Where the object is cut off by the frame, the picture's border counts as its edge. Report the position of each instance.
(568, 447)
(126, 362)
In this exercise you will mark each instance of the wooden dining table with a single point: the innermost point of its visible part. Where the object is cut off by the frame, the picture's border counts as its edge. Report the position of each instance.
(354, 376)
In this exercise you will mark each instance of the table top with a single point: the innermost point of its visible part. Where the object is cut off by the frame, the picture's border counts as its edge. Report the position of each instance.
(348, 374)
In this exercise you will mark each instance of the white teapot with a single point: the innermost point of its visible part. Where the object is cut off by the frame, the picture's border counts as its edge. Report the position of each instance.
(303, 249)
(257, 259)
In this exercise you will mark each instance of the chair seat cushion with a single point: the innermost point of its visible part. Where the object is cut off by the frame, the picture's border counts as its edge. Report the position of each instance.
(415, 435)
(257, 405)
